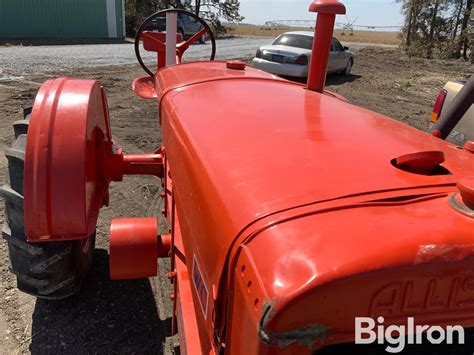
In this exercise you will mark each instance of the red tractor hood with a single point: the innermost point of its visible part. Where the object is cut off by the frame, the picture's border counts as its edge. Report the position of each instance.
(247, 148)
(321, 266)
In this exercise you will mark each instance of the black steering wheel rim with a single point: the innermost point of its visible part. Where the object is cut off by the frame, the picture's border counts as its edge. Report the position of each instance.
(160, 14)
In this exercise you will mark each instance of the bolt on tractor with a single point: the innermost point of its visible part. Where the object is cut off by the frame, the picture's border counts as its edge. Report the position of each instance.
(290, 211)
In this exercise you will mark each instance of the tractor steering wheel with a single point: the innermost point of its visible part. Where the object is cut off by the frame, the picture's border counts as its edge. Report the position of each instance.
(180, 47)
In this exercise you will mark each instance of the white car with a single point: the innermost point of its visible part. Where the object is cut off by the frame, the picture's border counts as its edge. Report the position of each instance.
(290, 54)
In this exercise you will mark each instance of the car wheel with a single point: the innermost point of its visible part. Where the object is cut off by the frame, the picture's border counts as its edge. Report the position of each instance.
(348, 69)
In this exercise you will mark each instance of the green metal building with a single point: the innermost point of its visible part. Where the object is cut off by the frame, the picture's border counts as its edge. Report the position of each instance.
(62, 19)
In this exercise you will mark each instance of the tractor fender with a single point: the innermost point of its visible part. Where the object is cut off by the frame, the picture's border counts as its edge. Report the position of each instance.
(64, 187)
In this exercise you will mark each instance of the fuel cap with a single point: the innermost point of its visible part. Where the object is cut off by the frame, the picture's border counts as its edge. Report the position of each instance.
(466, 188)
(469, 145)
(235, 64)
(420, 162)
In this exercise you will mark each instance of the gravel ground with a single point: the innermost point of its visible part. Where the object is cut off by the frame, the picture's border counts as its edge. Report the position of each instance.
(20, 62)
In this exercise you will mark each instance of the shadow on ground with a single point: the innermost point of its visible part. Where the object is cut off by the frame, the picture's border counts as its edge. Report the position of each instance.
(337, 79)
(107, 317)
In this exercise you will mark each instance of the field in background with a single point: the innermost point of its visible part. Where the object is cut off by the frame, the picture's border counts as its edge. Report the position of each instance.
(392, 38)
(359, 36)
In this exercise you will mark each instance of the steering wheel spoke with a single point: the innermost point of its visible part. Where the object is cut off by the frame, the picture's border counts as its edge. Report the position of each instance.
(196, 37)
(153, 44)
(160, 45)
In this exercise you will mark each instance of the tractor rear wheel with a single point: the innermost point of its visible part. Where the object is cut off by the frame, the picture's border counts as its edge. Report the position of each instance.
(51, 270)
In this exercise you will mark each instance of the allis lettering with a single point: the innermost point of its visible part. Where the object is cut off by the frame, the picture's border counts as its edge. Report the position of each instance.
(435, 295)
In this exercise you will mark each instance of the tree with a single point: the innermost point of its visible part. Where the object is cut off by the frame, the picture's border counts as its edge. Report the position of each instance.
(457, 20)
(463, 37)
(471, 35)
(135, 12)
(213, 11)
(434, 17)
(411, 9)
(142, 10)
(436, 27)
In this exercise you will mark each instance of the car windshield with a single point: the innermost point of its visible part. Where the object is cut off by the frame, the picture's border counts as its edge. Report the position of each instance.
(294, 40)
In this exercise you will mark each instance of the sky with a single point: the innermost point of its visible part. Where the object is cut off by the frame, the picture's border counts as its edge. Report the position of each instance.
(369, 12)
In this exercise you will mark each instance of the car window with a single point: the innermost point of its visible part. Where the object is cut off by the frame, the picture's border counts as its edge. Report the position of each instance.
(188, 19)
(337, 45)
(295, 40)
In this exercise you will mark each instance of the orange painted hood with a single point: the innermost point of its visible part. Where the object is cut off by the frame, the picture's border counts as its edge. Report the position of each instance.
(328, 263)
(245, 145)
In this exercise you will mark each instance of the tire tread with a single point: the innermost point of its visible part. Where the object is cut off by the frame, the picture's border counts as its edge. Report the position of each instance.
(47, 270)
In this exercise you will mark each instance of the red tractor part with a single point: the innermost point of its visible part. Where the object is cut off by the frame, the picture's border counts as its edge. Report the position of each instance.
(466, 188)
(135, 247)
(469, 146)
(280, 202)
(156, 41)
(327, 11)
(144, 87)
(420, 162)
(263, 247)
(64, 188)
(70, 160)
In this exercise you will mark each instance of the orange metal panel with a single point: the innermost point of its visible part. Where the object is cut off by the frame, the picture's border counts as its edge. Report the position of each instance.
(371, 255)
(192, 336)
(302, 148)
(189, 338)
(246, 303)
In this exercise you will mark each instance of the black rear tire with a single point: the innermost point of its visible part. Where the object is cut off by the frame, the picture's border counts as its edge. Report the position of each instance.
(51, 270)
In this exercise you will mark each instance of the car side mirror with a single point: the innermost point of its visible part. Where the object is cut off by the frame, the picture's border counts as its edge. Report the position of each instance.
(346, 48)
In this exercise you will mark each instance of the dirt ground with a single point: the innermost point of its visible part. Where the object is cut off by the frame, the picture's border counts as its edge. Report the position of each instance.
(134, 316)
